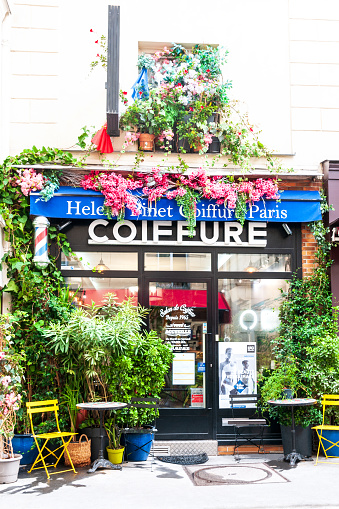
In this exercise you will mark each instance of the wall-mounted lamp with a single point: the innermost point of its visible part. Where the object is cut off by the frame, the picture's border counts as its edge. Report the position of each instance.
(287, 228)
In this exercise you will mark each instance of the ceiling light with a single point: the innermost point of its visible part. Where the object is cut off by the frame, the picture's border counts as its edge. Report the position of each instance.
(101, 266)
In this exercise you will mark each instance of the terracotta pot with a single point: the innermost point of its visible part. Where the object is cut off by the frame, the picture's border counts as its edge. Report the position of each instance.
(197, 148)
(146, 142)
(81, 417)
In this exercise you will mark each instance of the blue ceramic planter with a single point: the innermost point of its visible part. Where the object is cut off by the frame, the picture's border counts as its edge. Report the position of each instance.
(333, 436)
(25, 445)
(137, 446)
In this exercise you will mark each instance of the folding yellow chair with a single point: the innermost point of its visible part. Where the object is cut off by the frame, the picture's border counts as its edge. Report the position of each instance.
(326, 433)
(51, 405)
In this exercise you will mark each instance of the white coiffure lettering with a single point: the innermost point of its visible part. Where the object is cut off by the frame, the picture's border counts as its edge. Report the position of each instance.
(256, 236)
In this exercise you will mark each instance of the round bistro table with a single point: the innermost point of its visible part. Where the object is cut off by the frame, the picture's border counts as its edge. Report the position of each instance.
(101, 406)
(293, 457)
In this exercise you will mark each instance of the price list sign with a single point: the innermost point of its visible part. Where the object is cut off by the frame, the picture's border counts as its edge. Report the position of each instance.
(178, 331)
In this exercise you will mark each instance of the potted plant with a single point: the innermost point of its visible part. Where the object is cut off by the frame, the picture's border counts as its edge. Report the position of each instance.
(104, 345)
(147, 117)
(140, 374)
(114, 449)
(11, 372)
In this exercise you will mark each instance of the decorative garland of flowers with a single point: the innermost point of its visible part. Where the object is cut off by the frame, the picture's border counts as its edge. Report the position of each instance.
(187, 190)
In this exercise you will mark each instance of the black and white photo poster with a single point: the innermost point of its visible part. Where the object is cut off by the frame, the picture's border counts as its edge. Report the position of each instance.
(237, 371)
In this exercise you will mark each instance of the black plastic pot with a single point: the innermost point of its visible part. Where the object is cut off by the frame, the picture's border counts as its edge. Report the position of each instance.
(303, 440)
(213, 118)
(94, 435)
(182, 143)
(214, 147)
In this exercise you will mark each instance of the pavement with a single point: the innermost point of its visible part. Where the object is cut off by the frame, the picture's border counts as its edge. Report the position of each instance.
(167, 486)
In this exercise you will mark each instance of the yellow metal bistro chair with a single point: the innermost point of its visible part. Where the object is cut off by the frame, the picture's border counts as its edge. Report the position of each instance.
(330, 447)
(51, 405)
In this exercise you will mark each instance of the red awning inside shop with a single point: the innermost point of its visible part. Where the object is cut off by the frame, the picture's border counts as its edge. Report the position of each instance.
(192, 298)
(161, 297)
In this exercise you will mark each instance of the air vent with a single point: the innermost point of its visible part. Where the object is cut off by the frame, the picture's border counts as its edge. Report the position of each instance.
(161, 450)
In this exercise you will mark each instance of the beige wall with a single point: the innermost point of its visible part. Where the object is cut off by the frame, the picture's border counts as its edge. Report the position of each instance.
(283, 62)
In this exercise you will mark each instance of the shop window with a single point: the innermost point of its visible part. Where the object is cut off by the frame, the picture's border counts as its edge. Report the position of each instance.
(178, 261)
(88, 290)
(94, 261)
(252, 314)
(250, 263)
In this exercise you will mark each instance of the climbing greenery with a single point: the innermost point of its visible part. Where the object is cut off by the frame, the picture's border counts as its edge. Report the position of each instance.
(308, 338)
(36, 293)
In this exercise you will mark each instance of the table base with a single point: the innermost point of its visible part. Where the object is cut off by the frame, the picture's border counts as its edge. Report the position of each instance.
(102, 463)
(294, 457)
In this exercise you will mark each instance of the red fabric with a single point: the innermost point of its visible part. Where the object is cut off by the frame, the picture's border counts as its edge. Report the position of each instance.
(162, 297)
(103, 141)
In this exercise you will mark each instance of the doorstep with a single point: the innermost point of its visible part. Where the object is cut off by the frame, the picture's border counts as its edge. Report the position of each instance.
(248, 449)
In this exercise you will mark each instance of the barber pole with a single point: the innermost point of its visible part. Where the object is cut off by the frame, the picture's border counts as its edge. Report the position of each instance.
(41, 259)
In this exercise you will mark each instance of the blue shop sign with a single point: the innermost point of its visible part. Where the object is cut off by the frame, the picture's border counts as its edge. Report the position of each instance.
(77, 203)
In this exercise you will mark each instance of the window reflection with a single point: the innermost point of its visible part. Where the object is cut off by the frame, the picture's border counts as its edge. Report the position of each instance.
(178, 261)
(88, 290)
(100, 261)
(234, 262)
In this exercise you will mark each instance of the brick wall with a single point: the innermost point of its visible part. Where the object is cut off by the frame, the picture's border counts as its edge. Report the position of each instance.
(309, 244)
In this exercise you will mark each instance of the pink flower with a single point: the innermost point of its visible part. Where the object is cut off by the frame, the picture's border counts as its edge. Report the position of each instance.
(2, 355)
(6, 380)
(11, 399)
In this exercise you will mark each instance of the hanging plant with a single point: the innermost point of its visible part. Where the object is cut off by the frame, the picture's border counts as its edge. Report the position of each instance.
(187, 190)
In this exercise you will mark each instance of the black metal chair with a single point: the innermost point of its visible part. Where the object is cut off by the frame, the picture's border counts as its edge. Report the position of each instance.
(146, 447)
(248, 429)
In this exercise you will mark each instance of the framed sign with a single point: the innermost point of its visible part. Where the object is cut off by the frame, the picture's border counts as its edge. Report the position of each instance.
(237, 372)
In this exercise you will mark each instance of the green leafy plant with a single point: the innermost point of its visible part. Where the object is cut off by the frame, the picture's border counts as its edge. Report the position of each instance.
(309, 334)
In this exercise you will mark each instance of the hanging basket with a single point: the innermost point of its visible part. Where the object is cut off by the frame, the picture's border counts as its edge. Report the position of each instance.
(80, 453)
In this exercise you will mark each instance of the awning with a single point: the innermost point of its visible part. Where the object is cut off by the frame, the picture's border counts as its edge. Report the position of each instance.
(77, 203)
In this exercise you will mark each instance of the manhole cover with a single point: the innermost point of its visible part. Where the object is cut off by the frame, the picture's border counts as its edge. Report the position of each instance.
(232, 474)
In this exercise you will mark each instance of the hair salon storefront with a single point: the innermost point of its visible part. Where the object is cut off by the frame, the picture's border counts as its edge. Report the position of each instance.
(213, 297)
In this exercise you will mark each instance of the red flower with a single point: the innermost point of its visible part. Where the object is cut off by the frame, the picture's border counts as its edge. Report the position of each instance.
(91, 30)
(207, 70)
(98, 55)
(251, 129)
(191, 109)
(96, 42)
(202, 107)
(140, 93)
(185, 71)
(125, 93)
(239, 134)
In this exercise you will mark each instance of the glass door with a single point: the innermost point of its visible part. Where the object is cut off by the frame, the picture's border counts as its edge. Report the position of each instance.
(179, 312)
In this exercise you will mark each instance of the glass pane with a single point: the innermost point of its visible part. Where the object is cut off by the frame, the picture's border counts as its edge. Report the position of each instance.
(178, 314)
(178, 261)
(251, 313)
(254, 262)
(93, 289)
(102, 261)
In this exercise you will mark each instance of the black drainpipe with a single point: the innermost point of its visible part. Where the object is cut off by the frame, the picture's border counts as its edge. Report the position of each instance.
(113, 49)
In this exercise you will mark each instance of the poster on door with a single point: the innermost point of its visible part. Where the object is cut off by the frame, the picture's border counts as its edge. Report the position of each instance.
(237, 372)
